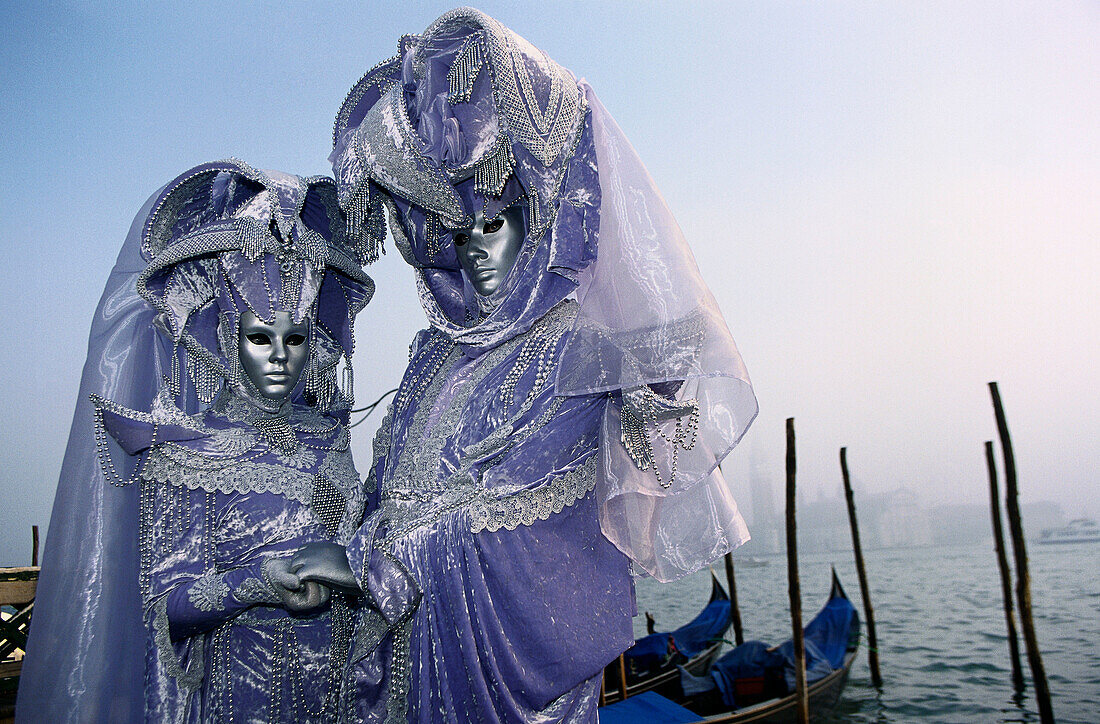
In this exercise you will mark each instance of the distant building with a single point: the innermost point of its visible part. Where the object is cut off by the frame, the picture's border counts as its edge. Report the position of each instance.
(894, 519)
(970, 524)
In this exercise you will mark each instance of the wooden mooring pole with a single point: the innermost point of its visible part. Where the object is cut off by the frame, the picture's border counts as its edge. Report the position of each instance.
(34, 545)
(1002, 566)
(864, 589)
(735, 612)
(1023, 579)
(622, 675)
(793, 587)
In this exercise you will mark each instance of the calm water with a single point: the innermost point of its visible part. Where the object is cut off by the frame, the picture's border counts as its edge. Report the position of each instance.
(941, 629)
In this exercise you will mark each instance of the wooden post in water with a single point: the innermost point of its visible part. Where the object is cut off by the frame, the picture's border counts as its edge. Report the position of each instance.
(34, 545)
(1002, 566)
(793, 587)
(622, 674)
(1023, 579)
(735, 612)
(864, 589)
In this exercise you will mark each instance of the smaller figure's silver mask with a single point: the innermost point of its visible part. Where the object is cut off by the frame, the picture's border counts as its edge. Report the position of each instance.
(273, 355)
(487, 251)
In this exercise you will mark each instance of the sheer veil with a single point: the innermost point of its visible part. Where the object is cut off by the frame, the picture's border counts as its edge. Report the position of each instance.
(647, 318)
(86, 649)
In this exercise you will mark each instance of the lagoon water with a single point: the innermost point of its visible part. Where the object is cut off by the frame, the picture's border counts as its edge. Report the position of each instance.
(940, 624)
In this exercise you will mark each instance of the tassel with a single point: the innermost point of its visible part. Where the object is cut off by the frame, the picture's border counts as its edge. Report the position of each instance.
(174, 379)
(431, 235)
(491, 174)
(348, 382)
(464, 72)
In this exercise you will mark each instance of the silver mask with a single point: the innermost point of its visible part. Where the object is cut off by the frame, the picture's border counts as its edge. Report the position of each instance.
(487, 252)
(273, 355)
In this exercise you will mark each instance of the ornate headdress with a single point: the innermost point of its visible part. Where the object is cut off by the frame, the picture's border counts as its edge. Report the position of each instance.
(470, 116)
(225, 238)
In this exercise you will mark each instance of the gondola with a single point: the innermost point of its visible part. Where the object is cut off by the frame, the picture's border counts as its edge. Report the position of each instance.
(765, 696)
(652, 663)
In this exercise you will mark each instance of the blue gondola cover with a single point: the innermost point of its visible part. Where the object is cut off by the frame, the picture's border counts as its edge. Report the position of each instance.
(647, 707)
(827, 638)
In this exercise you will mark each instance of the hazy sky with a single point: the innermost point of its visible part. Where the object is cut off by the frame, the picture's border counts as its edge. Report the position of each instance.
(894, 203)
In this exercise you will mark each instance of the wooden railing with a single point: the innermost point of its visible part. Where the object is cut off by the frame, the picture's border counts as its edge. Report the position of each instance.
(17, 591)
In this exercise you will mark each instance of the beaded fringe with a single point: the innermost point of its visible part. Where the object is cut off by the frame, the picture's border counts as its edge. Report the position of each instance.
(464, 71)
(252, 239)
(364, 230)
(492, 173)
(206, 382)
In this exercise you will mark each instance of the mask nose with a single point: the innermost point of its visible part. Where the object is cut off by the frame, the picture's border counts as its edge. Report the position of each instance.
(278, 350)
(477, 248)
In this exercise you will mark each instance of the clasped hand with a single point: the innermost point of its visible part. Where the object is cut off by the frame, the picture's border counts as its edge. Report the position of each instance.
(305, 581)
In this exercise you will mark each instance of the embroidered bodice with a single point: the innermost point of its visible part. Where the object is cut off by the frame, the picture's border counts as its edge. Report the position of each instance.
(223, 492)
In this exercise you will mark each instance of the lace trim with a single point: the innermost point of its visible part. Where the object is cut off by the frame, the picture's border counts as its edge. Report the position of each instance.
(168, 465)
(528, 506)
(253, 591)
(191, 678)
(208, 592)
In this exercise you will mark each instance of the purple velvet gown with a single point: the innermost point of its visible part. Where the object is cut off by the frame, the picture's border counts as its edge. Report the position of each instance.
(217, 500)
(546, 438)
(495, 595)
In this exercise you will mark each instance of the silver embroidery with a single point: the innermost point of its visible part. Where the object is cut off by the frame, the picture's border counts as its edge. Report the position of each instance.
(208, 592)
(543, 125)
(413, 496)
(252, 591)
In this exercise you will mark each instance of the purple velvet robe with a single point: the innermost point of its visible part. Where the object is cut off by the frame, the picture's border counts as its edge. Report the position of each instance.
(217, 501)
(493, 595)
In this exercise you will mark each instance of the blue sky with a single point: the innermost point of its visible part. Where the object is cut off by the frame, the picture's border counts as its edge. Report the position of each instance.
(893, 203)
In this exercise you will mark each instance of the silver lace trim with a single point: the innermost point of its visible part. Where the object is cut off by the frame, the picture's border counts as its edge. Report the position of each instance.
(188, 679)
(208, 592)
(528, 506)
(178, 466)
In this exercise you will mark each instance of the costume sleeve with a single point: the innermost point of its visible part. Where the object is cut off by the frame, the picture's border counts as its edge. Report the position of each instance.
(214, 598)
(183, 578)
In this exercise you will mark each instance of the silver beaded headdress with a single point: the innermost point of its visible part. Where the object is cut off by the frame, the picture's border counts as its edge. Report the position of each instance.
(466, 99)
(225, 238)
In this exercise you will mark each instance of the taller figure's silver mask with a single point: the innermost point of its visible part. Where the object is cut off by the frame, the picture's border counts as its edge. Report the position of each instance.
(488, 251)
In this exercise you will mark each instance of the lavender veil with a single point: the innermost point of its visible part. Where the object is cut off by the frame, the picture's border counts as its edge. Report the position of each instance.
(469, 112)
(86, 649)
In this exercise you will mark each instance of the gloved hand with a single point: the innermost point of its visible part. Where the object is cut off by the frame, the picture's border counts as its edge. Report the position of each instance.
(325, 563)
(297, 596)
